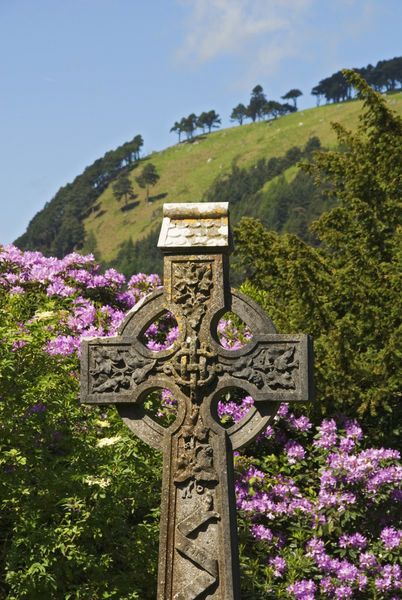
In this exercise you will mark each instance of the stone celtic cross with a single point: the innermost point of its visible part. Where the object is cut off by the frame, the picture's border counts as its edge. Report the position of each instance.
(198, 555)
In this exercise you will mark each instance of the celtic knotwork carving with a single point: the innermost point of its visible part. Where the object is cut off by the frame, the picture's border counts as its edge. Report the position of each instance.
(195, 457)
(192, 551)
(192, 283)
(116, 369)
(193, 365)
(271, 367)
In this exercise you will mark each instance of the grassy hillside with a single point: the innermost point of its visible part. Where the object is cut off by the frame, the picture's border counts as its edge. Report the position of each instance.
(188, 169)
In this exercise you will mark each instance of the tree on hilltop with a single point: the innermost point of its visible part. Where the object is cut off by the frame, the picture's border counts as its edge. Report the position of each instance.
(148, 177)
(189, 125)
(177, 128)
(257, 101)
(272, 109)
(293, 94)
(208, 119)
(239, 113)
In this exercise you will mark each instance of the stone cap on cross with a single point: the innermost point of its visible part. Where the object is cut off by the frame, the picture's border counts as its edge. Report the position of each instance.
(196, 226)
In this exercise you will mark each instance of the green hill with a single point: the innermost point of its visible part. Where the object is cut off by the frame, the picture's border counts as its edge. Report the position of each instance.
(188, 171)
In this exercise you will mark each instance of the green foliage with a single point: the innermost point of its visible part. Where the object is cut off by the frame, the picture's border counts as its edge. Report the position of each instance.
(293, 94)
(208, 119)
(78, 493)
(143, 256)
(245, 189)
(90, 245)
(255, 109)
(122, 187)
(346, 292)
(239, 113)
(148, 177)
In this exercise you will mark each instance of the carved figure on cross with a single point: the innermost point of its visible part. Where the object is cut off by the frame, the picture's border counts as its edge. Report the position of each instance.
(198, 554)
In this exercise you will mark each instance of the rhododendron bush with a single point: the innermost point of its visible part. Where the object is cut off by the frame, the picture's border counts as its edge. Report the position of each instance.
(79, 493)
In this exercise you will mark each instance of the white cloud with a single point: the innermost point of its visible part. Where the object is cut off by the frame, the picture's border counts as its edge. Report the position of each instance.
(264, 28)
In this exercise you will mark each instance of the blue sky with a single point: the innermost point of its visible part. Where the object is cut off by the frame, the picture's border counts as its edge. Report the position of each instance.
(80, 77)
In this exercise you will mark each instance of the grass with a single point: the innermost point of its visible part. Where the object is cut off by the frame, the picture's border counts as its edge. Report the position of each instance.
(187, 170)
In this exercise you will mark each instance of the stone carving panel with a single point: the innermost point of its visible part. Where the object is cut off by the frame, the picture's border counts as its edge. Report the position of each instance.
(276, 368)
(114, 369)
(192, 283)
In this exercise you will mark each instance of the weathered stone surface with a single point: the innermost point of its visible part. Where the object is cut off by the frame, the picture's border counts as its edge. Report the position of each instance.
(198, 538)
(202, 225)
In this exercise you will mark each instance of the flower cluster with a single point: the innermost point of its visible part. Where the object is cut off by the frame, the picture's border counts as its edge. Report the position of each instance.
(233, 333)
(342, 505)
(94, 303)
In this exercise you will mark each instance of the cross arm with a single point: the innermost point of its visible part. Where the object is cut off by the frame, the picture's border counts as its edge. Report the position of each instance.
(114, 371)
(274, 367)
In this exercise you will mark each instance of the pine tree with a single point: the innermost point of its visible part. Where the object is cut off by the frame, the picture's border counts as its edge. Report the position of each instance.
(148, 177)
(122, 188)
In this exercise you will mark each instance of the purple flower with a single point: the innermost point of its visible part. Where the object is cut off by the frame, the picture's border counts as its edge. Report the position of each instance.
(343, 591)
(356, 540)
(17, 344)
(63, 345)
(282, 410)
(302, 423)
(231, 337)
(59, 288)
(346, 444)
(391, 537)
(259, 532)
(361, 581)
(114, 278)
(16, 290)
(278, 564)
(315, 548)
(367, 560)
(235, 411)
(294, 451)
(327, 585)
(327, 436)
(268, 432)
(345, 571)
(303, 590)
(353, 430)
(38, 408)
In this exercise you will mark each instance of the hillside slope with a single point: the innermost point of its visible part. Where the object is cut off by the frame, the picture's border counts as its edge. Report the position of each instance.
(187, 170)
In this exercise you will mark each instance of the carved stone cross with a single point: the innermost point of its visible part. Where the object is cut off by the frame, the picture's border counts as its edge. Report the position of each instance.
(198, 555)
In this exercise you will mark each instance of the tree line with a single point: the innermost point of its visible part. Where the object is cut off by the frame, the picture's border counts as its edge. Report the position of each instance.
(258, 108)
(188, 125)
(385, 76)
